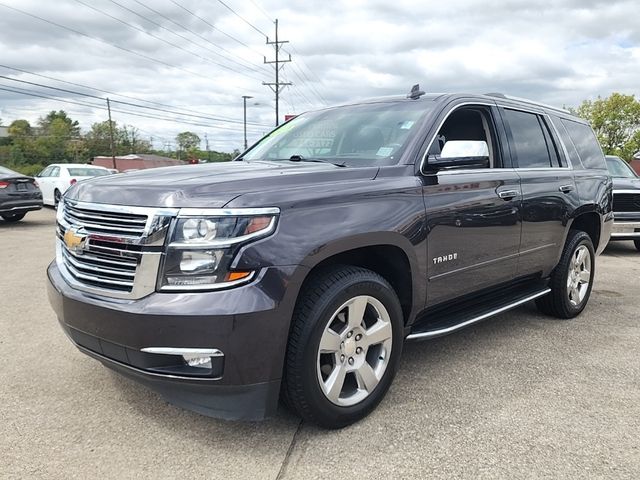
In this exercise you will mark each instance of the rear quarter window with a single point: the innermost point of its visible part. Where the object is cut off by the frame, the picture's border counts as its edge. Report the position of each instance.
(586, 144)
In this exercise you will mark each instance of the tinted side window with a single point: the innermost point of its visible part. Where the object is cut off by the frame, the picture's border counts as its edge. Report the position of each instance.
(551, 145)
(528, 139)
(586, 144)
(568, 143)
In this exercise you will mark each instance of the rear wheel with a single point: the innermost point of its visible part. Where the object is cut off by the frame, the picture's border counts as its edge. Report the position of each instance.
(344, 346)
(637, 244)
(572, 279)
(16, 217)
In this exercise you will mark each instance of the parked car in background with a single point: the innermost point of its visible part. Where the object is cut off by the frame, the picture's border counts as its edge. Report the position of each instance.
(626, 201)
(58, 177)
(19, 194)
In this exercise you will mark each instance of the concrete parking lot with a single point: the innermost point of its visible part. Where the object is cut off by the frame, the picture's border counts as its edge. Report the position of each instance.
(518, 396)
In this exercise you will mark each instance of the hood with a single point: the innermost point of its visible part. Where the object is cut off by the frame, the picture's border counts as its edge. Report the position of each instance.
(210, 185)
(620, 183)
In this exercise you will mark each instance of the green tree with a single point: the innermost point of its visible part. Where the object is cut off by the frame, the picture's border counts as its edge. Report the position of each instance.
(187, 141)
(616, 121)
(56, 120)
(19, 129)
(97, 140)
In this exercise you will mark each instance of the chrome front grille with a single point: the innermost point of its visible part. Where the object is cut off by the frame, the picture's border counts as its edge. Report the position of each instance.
(111, 250)
(105, 222)
(100, 270)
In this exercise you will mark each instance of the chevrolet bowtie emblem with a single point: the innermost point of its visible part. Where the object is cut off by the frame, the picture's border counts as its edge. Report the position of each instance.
(74, 240)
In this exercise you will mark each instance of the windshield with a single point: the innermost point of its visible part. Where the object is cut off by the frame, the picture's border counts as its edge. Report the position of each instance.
(619, 168)
(87, 172)
(355, 135)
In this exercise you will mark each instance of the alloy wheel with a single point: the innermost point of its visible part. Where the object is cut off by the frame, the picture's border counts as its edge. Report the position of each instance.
(354, 351)
(579, 276)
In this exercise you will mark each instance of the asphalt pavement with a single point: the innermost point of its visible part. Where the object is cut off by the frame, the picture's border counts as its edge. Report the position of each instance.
(518, 396)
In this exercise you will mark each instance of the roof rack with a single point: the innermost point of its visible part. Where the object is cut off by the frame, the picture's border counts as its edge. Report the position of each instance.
(525, 100)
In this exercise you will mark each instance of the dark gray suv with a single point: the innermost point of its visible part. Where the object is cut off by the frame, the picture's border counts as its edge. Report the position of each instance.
(297, 271)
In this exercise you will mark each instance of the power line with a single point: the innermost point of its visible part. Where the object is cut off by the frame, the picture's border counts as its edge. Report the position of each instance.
(243, 65)
(242, 18)
(142, 30)
(124, 49)
(126, 112)
(74, 92)
(213, 26)
(312, 86)
(109, 92)
(262, 10)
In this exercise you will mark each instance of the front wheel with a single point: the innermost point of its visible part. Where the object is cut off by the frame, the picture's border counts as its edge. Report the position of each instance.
(572, 279)
(56, 197)
(637, 244)
(344, 346)
(16, 217)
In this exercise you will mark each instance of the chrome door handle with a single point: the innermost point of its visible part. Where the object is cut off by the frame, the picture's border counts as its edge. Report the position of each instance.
(565, 188)
(508, 194)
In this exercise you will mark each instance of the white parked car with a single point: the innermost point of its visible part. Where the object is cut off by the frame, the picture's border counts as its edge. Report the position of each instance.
(58, 177)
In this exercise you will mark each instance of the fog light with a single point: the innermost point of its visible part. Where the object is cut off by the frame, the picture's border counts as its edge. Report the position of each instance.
(197, 361)
(199, 261)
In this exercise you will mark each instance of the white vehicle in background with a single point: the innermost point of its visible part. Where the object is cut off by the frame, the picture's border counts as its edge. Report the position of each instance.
(58, 177)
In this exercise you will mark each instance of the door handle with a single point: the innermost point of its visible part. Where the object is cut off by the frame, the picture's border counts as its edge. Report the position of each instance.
(565, 188)
(508, 194)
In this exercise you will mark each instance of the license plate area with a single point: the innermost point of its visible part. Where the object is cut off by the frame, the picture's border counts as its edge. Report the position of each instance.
(21, 187)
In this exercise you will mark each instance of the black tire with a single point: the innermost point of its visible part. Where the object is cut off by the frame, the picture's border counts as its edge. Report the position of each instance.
(323, 294)
(56, 197)
(637, 244)
(558, 302)
(16, 217)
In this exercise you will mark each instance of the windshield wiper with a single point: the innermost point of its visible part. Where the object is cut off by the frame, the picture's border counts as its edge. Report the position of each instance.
(300, 158)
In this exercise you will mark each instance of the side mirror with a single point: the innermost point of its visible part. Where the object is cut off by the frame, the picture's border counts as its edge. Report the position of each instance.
(460, 154)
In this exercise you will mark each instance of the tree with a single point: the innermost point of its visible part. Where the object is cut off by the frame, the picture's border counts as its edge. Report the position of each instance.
(616, 121)
(187, 141)
(61, 121)
(19, 129)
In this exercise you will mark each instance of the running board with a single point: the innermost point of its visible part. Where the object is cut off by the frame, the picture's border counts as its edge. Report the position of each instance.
(453, 324)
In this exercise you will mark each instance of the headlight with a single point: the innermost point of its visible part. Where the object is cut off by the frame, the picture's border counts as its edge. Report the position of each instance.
(202, 247)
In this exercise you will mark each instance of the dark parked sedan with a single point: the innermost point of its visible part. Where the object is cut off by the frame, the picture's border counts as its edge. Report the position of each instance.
(19, 194)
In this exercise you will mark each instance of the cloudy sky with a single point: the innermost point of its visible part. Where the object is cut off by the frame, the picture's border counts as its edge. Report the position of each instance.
(198, 57)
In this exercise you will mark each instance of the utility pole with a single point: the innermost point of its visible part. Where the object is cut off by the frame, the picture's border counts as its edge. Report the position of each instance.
(113, 154)
(206, 143)
(244, 101)
(277, 86)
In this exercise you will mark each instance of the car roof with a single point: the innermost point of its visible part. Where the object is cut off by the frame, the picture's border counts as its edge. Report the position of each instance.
(500, 98)
(76, 165)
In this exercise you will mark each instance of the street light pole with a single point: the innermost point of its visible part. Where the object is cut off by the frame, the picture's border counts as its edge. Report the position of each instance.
(244, 101)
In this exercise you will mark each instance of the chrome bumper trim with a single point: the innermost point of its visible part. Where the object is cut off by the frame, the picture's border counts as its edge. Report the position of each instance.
(625, 229)
(210, 352)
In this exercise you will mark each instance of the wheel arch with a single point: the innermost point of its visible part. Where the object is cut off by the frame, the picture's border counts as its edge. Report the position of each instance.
(391, 256)
(589, 221)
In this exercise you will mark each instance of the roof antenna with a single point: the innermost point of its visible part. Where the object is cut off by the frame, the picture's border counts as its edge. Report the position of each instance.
(415, 92)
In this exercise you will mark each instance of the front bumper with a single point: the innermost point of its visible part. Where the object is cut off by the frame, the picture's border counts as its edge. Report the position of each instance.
(626, 226)
(249, 324)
